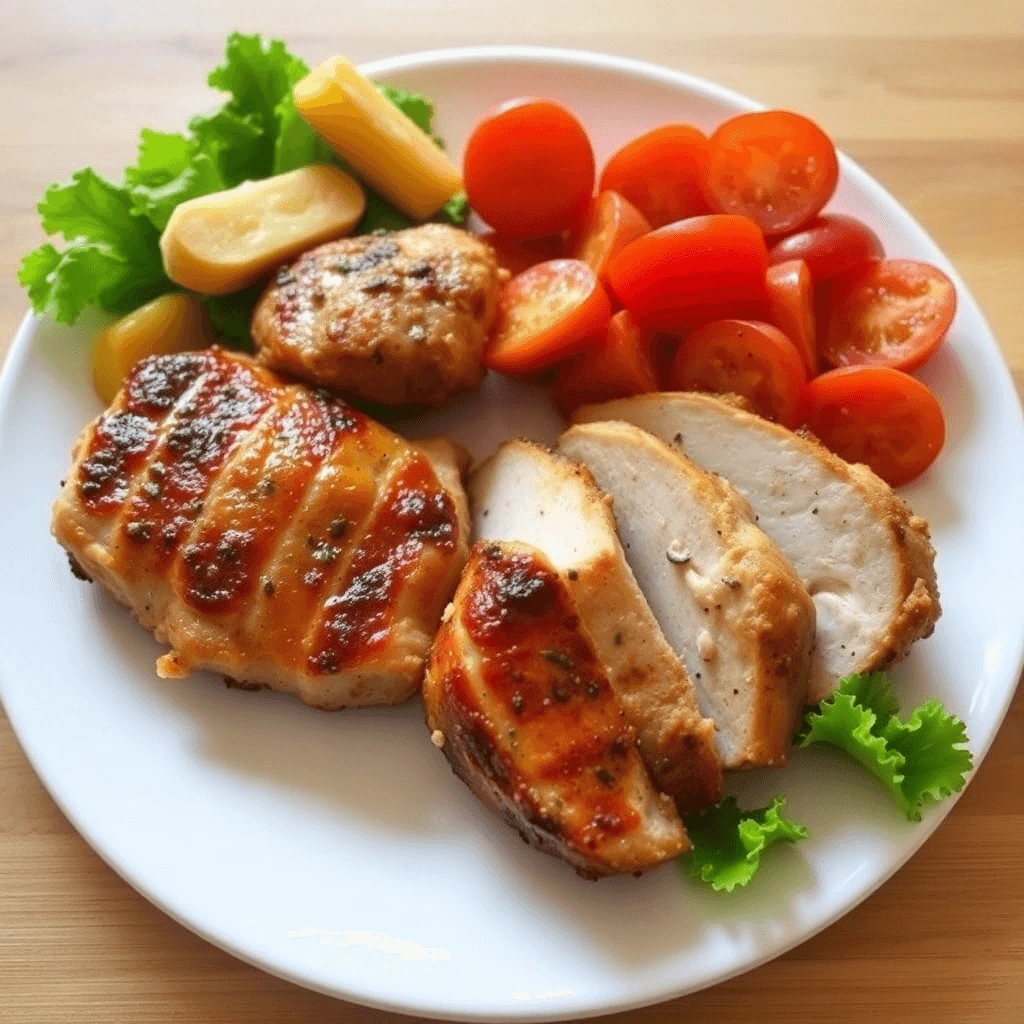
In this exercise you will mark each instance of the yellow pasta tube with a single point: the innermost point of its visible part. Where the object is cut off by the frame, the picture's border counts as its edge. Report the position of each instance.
(384, 147)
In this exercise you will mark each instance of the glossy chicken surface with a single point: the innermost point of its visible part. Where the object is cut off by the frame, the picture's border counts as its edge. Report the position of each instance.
(522, 708)
(265, 531)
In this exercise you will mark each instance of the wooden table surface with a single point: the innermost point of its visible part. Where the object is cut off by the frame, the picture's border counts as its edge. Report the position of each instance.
(929, 97)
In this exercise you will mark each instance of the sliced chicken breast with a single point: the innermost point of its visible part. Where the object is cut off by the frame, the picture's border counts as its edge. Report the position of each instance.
(519, 702)
(264, 532)
(865, 558)
(726, 599)
(527, 493)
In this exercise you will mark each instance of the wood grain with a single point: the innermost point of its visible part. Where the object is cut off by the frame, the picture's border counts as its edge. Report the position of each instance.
(929, 97)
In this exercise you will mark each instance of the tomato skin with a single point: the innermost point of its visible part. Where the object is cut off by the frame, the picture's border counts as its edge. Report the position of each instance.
(611, 224)
(893, 313)
(618, 366)
(662, 173)
(830, 246)
(879, 416)
(528, 168)
(774, 166)
(517, 255)
(748, 358)
(545, 314)
(791, 308)
(692, 271)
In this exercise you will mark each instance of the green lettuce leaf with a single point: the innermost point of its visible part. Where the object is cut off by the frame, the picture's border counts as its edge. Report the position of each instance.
(230, 315)
(727, 843)
(257, 75)
(380, 215)
(455, 210)
(297, 145)
(112, 257)
(920, 761)
(414, 105)
(236, 145)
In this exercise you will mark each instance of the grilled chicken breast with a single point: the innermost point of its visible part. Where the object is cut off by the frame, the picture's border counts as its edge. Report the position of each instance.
(526, 493)
(726, 599)
(864, 557)
(265, 532)
(517, 699)
(397, 319)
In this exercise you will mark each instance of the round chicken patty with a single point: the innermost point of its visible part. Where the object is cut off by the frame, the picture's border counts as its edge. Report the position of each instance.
(401, 318)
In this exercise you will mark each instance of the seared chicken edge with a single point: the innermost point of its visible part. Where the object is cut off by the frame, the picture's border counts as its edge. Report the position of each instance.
(520, 705)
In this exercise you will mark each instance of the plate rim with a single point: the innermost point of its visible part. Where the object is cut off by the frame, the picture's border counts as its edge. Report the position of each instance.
(18, 355)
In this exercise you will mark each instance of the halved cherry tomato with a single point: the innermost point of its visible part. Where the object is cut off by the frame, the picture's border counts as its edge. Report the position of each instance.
(879, 416)
(613, 222)
(517, 255)
(692, 271)
(748, 358)
(773, 166)
(744, 357)
(791, 308)
(894, 313)
(617, 367)
(662, 173)
(545, 314)
(830, 246)
(528, 168)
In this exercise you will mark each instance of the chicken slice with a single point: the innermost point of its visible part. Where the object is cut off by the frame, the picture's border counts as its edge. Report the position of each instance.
(726, 599)
(395, 319)
(527, 493)
(864, 557)
(265, 532)
(520, 704)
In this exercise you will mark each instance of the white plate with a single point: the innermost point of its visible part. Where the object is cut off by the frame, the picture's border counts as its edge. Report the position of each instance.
(338, 850)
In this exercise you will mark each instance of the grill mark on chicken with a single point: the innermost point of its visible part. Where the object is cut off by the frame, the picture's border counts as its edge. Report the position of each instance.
(529, 720)
(205, 429)
(128, 431)
(270, 490)
(336, 512)
(258, 490)
(413, 514)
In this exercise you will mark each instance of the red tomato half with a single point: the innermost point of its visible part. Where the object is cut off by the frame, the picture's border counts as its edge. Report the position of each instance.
(894, 313)
(662, 173)
(545, 314)
(529, 168)
(791, 308)
(830, 246)
(517, 255)
(748, 358)
(879, 416)
(692, 271)
(773, 166)
(617, 367)
(613, 222)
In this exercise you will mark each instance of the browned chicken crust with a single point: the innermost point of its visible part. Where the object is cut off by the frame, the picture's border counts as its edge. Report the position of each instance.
(265, 532)
(525, 491)
(866, 559)
(521, 706)
(750, 606)
(396, 319)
